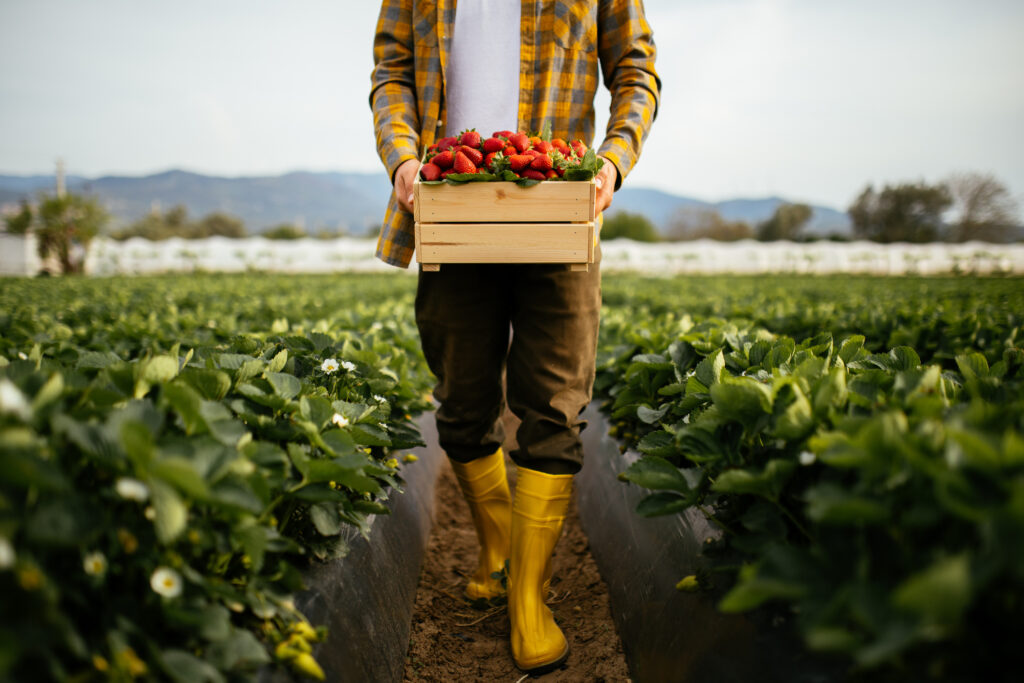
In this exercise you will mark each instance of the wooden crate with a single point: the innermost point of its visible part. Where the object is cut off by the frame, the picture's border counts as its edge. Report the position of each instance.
(500, 222)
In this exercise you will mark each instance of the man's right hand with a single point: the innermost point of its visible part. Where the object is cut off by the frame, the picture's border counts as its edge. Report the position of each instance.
(405, 176)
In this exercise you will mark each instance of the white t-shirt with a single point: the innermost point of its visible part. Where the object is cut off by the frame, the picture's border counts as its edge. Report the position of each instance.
(482, 80)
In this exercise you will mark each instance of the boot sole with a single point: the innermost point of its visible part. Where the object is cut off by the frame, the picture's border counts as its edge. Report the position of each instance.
(548, 667)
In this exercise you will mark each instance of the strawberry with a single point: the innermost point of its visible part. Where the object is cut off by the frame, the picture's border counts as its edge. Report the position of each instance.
(520, 142)
(446, 143)
(533, 175)
(462, 164)
(559, 144)
(517, 162)
(532, 152)
(489, 159)
(432, 148)
(510, 150)
(534, 139)
(430, 171)
(579, 148)
(543, 146)
(502, 134)
(444, 159)
(470, 138)
(475, 155)
(541, 163)
(493, 145)
(552, 173)
(445, 174)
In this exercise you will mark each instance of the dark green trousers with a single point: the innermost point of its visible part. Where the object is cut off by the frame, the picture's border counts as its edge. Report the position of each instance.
(538, 324)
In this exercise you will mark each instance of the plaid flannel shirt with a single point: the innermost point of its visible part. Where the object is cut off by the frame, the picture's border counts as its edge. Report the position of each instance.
(558, 76)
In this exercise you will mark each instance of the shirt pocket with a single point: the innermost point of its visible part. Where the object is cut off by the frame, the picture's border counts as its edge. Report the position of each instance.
(574, 24)
(424, 23)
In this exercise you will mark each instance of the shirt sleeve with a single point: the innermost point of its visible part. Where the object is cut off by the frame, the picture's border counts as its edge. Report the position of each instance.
(393, 91)
(627, 52)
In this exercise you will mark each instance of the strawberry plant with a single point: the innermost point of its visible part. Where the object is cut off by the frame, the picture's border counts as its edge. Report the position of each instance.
(868, 493)
(175, 451)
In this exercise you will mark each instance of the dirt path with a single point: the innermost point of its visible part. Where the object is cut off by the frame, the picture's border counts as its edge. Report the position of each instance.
(451, 641)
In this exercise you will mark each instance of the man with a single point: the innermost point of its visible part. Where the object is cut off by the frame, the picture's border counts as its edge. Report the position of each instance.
(440, 68)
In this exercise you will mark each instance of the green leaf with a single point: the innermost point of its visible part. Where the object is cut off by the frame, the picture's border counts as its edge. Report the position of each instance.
(186, 403)
(182, 475)
(240, 651)
(742, 399)
(184, 667)
(753, 590)
(709, 370)
(652, 415)
(317, 410)
(27, 469)
(285, 385)
(278, 362)
(767, 483)
(904, 358)
(797, 420)
(662, 503)
(939, 594)
(652, 472)
(96, 360)
(660, 443)
(831, 504)
(171, 513)
(211, 384)
(325, 518)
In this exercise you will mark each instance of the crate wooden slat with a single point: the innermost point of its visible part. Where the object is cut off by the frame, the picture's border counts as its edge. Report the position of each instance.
(505, 242)
(500, 222)
(500, 202)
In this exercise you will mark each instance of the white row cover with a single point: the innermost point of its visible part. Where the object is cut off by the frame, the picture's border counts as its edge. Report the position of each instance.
(139, 256)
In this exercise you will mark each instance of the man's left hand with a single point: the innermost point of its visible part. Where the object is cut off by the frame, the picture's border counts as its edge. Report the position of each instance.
(606, 179)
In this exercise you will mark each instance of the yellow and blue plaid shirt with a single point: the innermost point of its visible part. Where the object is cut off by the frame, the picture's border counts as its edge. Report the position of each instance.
(562, 43)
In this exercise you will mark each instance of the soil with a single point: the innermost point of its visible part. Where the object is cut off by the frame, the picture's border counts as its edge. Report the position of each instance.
(452, 641)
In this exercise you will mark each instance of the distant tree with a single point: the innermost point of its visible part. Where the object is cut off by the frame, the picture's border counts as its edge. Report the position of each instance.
(20, 222)
(909, 212)
(983, 208)
(285, 231)
(220, 224)
(159, 226)
(634, 226)
(785, 224)
(63, 225)
(695, 224)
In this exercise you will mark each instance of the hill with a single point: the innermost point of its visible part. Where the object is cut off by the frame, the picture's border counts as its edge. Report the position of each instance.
(354, 202)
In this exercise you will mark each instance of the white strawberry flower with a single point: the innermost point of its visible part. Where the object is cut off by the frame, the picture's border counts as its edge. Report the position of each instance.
(13, 402)
(379, 399)
(330, 365)
(95, 564)
(7, 555)
(166, 582)
(348, 366)
(132, 489)
(807, 458)
(340, 420)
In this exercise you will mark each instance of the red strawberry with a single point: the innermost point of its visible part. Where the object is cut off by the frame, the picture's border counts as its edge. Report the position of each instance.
(542, 163)
(532, 152)
(482, 169)
(518, 162)
(493, 145)
(551, 174)
(579, 148)
(543, 146)
(432, 148)
(470, 138)
(534, 175)
(489, 159)
(430, 172)
(445, 174)
(510, 150)
(446, 143)
(462, 164)
(559, 144)
(520, 141)
(444, 159)
(502, 134)
(475, 155)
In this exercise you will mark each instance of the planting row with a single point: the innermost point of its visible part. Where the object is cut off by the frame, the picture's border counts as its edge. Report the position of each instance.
(176, 450)
(859, 443)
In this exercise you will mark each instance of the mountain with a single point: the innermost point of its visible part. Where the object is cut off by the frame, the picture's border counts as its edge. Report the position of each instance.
(660, 207)
(336, 199)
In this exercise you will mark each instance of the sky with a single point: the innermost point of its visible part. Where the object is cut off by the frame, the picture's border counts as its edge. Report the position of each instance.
(810, 100)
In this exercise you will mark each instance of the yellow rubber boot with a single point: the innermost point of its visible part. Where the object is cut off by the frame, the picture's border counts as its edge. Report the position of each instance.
(485, 487)
(538, 512)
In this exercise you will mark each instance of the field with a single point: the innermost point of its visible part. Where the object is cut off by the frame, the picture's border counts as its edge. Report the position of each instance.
(177, 448)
